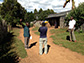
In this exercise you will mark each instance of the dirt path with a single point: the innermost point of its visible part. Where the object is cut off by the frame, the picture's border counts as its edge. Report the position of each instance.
(56, 53)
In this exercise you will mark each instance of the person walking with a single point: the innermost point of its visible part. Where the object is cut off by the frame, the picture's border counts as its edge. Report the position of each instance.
(43, 39)
(26, 33)
(72, 23)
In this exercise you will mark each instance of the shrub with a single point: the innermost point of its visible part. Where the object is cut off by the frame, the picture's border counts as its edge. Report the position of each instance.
(31, 24)
(78, 14)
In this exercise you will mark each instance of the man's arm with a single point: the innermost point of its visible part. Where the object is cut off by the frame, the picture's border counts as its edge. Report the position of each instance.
(39, 29)
(22, 23)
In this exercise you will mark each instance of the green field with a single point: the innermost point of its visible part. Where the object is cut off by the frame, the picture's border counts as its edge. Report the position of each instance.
(60, 38)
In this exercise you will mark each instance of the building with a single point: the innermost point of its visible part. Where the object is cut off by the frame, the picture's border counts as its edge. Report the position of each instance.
(57, 19)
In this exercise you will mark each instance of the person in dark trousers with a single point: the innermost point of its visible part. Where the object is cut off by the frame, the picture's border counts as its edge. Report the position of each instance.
(55, 24)
(71, 28)
(26, 33)
(43, 39)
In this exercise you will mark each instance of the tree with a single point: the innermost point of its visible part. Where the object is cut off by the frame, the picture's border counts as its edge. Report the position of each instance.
(35, 11)
(29, 17)
(41, 10)
(43, 14)
(78, 14)
(12, 11)
(52, 11)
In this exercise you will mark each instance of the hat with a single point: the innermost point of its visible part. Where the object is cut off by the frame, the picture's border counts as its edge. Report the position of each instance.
(45, 22)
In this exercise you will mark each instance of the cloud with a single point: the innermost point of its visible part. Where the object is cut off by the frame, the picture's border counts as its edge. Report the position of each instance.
(56, 5)
(44, 4)
(1, 1)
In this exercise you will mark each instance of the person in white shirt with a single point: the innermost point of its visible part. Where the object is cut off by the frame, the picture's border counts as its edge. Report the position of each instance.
(72, 24)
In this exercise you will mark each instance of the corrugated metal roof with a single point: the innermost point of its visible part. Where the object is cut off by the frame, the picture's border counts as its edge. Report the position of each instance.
(58, 14)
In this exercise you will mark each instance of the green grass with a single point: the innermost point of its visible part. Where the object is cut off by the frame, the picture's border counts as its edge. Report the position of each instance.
(12, 48)
(18, 44)
(59, 38)
(37, 33)
(35, 29)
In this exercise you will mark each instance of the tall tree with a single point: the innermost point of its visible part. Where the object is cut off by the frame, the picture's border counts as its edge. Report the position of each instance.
(35, 11)
(12, 11)
(78, 14)
(41, 10)
(29, 17)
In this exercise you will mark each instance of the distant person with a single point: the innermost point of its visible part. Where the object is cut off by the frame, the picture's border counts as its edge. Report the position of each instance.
(26, 33)
(72, 23)
(55, 24)
(43, 39)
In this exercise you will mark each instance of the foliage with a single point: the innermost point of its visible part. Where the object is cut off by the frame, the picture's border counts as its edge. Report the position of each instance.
(12, 48)
(1, 31)
(31, 24)
(78, 14)
(60, 38)
(0, 20)
(12, 11)
(42, 14)
(29, 17)
(35, 11)
(7, 51)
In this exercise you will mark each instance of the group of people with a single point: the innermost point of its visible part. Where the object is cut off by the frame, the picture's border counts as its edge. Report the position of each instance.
(43, 34)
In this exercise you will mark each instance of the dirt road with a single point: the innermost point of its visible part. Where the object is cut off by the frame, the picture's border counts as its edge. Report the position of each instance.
(56, 54)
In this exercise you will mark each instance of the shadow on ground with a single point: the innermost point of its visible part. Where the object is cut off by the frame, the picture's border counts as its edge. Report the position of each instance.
(18, 27)
(7, 55)
(48, 47)
(68, 38)
(33, 44)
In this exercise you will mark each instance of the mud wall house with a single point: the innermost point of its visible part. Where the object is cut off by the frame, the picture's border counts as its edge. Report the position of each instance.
(57, 19)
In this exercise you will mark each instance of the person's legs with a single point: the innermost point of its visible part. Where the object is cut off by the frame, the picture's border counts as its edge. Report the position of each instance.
(73, 36)
(45, 45)
(25, 42)
(40, 46)
(70, 35)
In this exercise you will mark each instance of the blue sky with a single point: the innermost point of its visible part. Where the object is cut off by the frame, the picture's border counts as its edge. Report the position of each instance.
(56, 5)
(1, 1)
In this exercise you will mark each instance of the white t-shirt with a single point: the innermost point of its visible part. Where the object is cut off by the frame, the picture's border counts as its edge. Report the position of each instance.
(71, 24)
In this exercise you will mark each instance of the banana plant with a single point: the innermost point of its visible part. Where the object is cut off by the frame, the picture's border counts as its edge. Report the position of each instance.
(67, 1)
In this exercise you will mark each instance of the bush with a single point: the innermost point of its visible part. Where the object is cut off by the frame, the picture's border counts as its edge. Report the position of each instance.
(1, 32)
(31, 24)
(78, 14)
(3, 29)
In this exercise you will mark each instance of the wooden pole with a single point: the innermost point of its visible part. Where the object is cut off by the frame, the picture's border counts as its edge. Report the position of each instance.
(73, 4)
